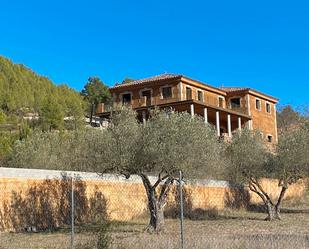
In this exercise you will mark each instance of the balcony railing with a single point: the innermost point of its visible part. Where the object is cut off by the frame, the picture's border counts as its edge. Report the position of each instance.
(242, 110)
(158, 100)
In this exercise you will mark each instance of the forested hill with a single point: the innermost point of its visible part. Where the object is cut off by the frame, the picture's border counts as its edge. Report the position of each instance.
(23, 91)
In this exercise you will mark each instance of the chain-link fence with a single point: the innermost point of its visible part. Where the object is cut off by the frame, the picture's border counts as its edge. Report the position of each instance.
(87, 211)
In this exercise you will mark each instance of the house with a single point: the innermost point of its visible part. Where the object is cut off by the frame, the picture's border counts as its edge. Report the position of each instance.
(227, 108)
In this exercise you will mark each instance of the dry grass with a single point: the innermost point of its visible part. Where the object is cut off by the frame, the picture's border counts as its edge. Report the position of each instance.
(230, 230)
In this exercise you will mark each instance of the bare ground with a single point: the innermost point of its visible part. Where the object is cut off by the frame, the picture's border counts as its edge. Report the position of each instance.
(228, 230)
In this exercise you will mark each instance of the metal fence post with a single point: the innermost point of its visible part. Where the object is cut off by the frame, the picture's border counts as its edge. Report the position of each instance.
(181, 210)
(72, 213)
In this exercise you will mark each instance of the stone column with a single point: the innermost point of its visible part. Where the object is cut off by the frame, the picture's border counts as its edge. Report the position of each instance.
(239, 123)
(192, 110)
(229, 125)
(205, 115)
(144, 117)
(218, 123)
(250, 125)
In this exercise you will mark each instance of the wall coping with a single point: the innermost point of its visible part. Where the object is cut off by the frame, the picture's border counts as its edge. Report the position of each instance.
(43, 174)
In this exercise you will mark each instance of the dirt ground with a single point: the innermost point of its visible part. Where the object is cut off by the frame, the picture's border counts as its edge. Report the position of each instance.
(231, 229)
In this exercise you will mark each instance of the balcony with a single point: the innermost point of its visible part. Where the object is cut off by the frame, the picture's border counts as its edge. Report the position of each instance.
(144, 102)
(242, 110)
(154, 101)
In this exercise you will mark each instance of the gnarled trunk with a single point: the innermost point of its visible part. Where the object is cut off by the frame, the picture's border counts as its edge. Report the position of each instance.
(156, 201)
(278, 205)
(156, 222)
(273, 210)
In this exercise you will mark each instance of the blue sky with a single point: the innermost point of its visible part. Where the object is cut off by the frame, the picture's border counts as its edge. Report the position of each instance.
(258, 44)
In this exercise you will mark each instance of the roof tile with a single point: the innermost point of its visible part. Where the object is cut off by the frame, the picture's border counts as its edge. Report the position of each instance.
(160, 77)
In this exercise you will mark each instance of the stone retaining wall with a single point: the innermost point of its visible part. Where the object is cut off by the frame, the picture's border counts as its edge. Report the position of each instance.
(42, 197)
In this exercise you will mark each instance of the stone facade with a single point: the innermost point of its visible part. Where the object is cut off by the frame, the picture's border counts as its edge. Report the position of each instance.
(229, 109)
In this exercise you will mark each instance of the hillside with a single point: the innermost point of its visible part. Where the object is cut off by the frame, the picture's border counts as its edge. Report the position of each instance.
(23, 92)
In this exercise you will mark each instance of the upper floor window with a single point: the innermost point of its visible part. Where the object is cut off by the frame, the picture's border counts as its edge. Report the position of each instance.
(188, 93)
(235, 103)
(268, 107)
(126, 98)
(258, 104)
(221, 102)
(199, 95)
(166, 92)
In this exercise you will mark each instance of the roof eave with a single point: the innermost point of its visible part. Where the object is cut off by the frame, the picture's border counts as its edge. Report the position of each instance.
(254, 92)
(124, 86)
(209, 87)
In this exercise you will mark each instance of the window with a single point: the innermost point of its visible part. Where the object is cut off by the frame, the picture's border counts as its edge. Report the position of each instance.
(269, 138)
(221, 101)
(126, 98)
(268, 107)
(188, 93)
(235, 103)
(199, 95)
(166, 92)
(258, 104)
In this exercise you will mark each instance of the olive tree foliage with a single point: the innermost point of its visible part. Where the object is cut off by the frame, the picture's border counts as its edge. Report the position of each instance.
(250, 160)
(164, 145)
(287, 118)
(70, 150)
(292, 161)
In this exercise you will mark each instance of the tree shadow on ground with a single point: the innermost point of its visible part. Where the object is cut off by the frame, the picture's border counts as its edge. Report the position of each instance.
(294, 211)
(46, 206)
(260, 208)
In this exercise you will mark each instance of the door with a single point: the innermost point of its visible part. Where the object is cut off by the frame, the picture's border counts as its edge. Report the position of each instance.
(147, 94)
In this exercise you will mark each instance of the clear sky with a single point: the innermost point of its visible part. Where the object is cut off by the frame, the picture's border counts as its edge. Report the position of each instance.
(259, 44)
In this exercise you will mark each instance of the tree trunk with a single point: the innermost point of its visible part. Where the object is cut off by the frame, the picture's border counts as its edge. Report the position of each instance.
(156, 202)
(271, 211)
(156, 210)
(278, 205)
(274, 210)
(270, 207)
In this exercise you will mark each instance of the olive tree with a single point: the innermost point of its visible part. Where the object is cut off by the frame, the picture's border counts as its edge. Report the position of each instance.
(166, 144)
(292, 160)
(250, 160)
(53, 150)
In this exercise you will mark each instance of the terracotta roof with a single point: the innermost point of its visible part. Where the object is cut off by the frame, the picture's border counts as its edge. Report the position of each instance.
(166, 76)
(244, 89)
(234, 89)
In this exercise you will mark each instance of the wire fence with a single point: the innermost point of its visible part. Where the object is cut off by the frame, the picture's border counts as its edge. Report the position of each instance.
(70, 213)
